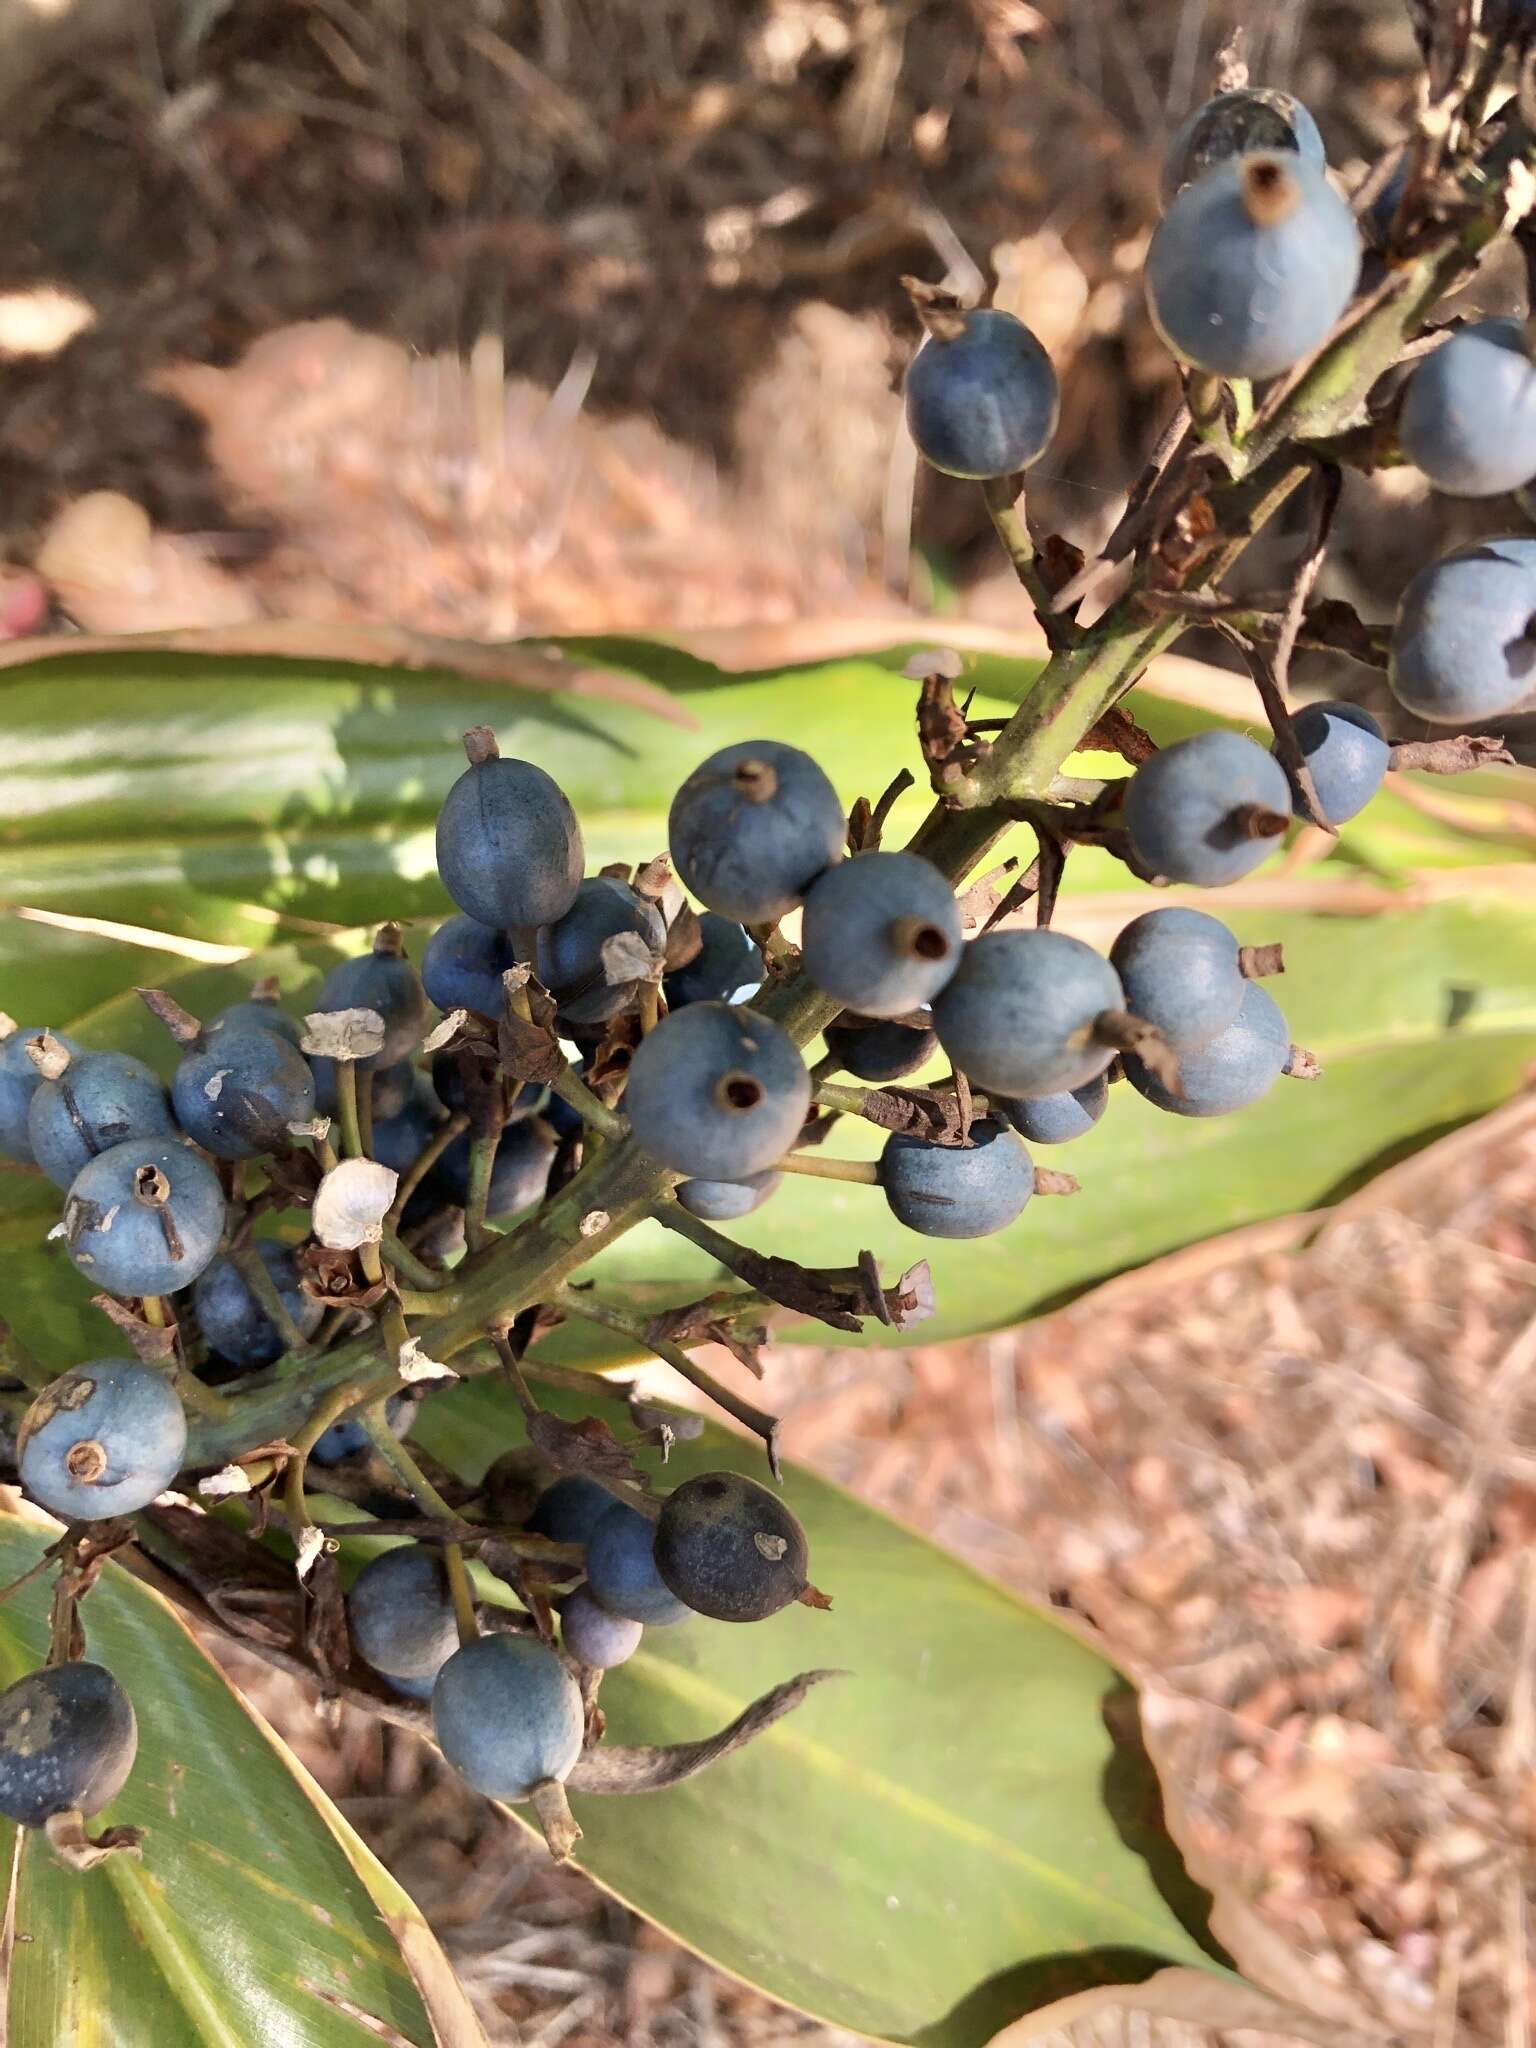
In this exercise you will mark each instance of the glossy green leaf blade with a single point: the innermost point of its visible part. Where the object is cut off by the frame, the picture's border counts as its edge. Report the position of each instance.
(926, 1847)
(253, 1915)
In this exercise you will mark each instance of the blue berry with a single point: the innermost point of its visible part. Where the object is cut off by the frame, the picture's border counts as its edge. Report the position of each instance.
(102, 1440)
(1233, 124)
(1207, 809)
(400, 1140)
(234, 1323)
(144, 1218)
(728, 967)
(984, 403)
(524, 1154)
(100, 1099)
(258, 1013)
(393, 1088)
(449, 1086)
(595, 1637)
(401, 1613)
(621, 1569)
(589, 982)
(716, 1092)
(237, 1095)
(19, 1082)
(1252, 265)
(1180, 971)
(1464, 643)
(879, 1052)
(1347, 753)
(726, 1201)
(1234, 1069)
(384, 981)
(570, 1509)
(752, 828)
(1018, 1017)
(67, 1743)
(1055, 1119)
(882, 933)
(508, 846)
(954, 1190)
(348, 1438)
(462, 966)
(729, 1548)
(507, 1715)
(1469, 414)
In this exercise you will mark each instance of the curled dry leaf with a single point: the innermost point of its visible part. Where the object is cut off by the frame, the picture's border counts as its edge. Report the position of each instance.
(643, 1768)
(343, 1034)
(352, 1202)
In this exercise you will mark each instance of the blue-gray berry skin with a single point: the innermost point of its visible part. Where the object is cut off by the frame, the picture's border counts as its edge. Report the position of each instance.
(752, 828)
(984, 403)
(237, 1096)
(100, 1100)
(509, 848)
(383, 981)
(729, 1548)
(881, 932)
(1018, 1016)
(595, 1637)
(1192, 810)
(716, 1092)
(1469, 414)
(1252, 265)
(728, 967)
(400, 1140)
(1233, 1070)
(726, 1201)
(449, 1087)
(102, 1440)
(116, 1214)
(1464, 642)
(1348, 754)
(569, 956)
(507, 1715)
(401, 1615)
(259, 1013)
(621, 1569)
(954, 1190)
(880, 1052)
(234, 1323)
(1055, 1119)
(1180, 971)
(1231, 125)
(19, 1082)
(345, 1439)
(67, 1743)
(463, 963)
(570, 1509)
(525, 1153)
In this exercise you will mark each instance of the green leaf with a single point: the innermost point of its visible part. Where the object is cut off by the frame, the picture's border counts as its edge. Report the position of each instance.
(254, 1913)
(944, 1838)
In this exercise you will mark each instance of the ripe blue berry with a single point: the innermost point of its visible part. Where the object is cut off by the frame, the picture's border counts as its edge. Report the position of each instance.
(1464, 643)
(880, 1052)
(144, 1218)
(1180, 971)
(881, 932)
(67, 1743)
(259, 1013)
(102, 1440)
(752, 828)
(1018, 1017)
(1055, 1119)
(716, 1092)
(401, 1613)
(1347, 753)
(591, 978)
(384, 981)
(19, 1082)
(984, 403)
(729, 1548)
(347, 1438)
(570, 1509)
(1234, 1069)
(595, 1637)
(1234, 124)
(98, 1101)
(234, 1323)
(236, 1095)
(1252, 265)
(621, 1569)
(508, 845)
(1469, 414)
(451, 1090)
(728, 967)
(725, 1201)
(400, 1140)
(462, 966)
(524, 1154)
(507, 1715)
(1207, 809)
(955, 1190)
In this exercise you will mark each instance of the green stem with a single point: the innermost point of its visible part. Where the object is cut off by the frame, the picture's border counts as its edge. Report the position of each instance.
(252, 1269)
(422, 1165)
(346, 1109)
(864, 1171)
(1005, 499)
(482, 1164)
(592, 1110)
(405, 1262)
(426, 1495)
